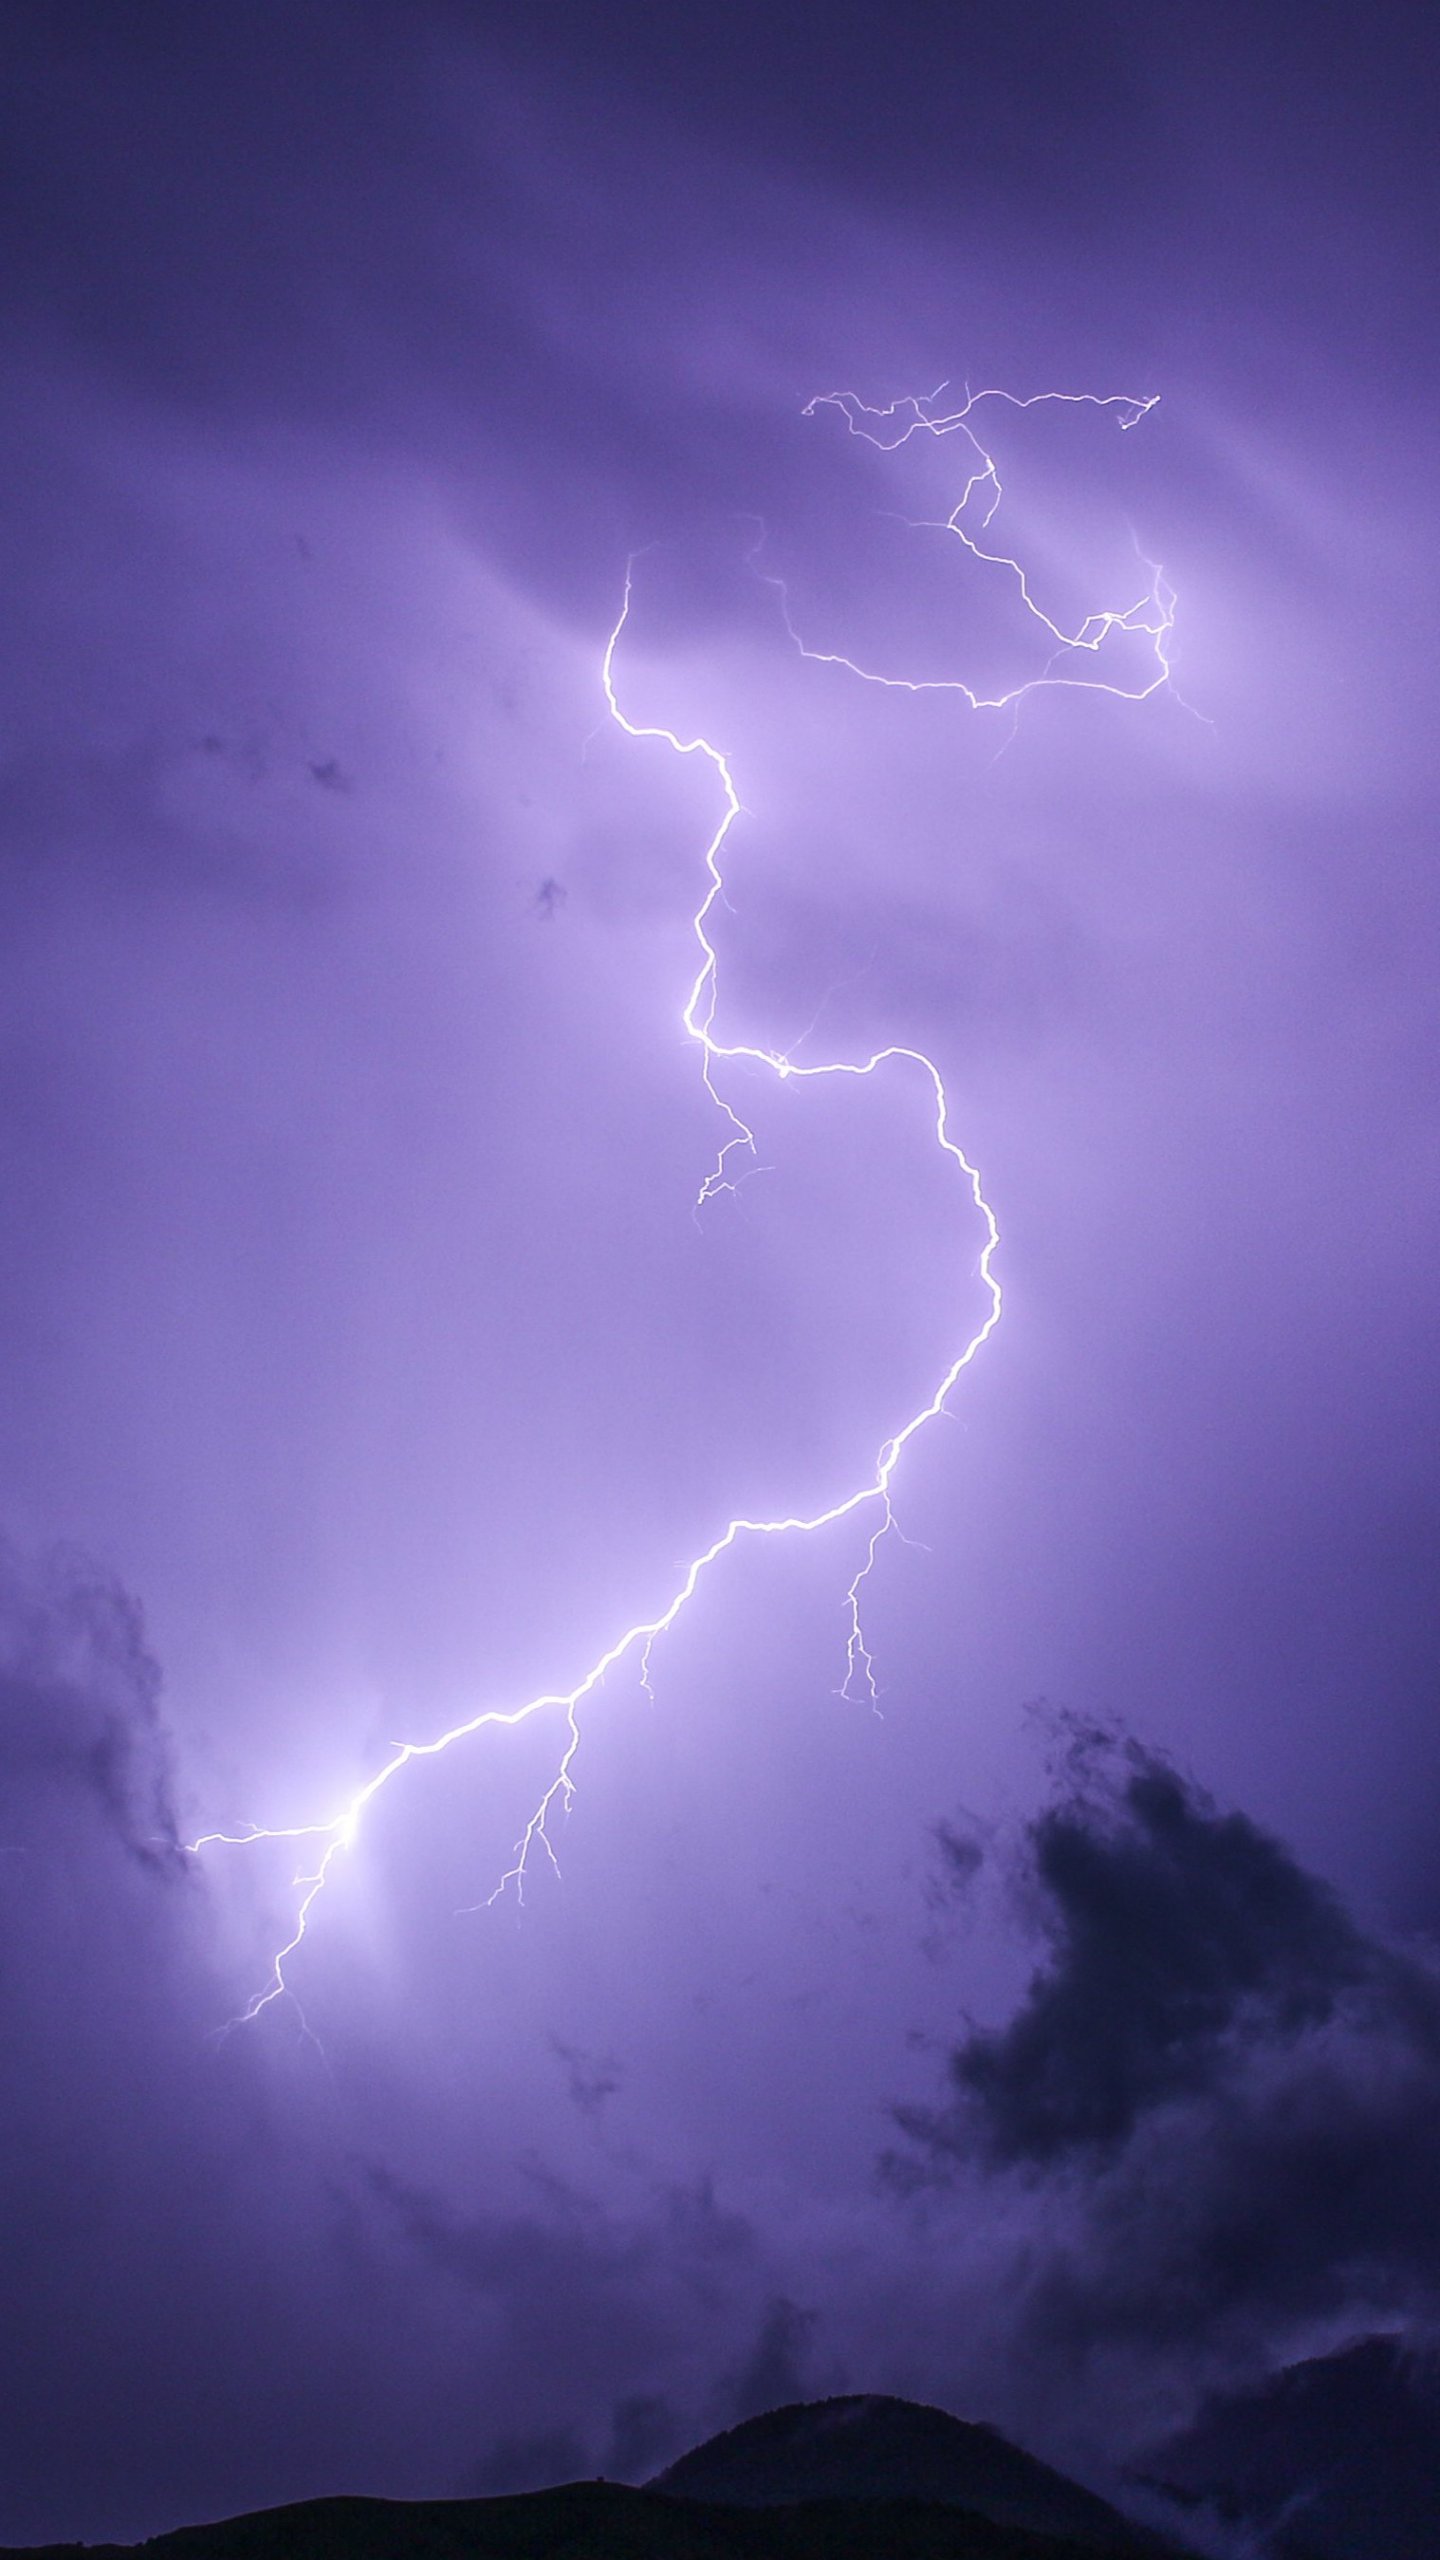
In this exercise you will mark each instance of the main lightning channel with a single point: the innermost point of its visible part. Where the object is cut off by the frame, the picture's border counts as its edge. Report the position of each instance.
(1150, 615)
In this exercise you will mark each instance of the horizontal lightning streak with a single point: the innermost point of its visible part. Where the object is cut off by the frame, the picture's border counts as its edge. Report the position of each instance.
(1151, 615)
(339, 1831)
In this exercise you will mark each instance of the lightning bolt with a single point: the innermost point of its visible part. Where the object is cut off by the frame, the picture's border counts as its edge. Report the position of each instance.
(1149, 615)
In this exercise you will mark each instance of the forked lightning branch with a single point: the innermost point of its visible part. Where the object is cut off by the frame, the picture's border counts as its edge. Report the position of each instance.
(1146, 617)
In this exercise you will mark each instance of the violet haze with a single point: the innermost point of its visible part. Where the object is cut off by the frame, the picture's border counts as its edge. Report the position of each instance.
(368, 1365)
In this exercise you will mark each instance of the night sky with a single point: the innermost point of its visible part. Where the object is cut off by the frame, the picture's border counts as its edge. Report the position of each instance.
(1055, 2036)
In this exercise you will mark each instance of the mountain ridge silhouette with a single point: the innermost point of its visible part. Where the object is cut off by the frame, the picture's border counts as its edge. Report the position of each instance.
(873, 2446)
(783, 2516)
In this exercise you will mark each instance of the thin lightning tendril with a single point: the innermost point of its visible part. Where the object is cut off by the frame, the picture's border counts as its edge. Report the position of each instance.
(1150, 616)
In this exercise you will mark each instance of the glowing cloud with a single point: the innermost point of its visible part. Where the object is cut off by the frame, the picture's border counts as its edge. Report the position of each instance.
(1149, 615)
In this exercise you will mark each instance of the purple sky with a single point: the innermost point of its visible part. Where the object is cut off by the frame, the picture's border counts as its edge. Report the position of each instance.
(368, 1368)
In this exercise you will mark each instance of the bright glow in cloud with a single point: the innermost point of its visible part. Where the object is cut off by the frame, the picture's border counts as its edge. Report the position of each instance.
(1150, 615)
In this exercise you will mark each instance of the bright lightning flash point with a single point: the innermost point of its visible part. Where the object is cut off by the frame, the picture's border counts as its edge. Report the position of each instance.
(1149, 615)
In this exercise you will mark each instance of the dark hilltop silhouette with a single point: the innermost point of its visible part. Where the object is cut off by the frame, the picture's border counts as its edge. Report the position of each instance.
(853, 2479)
(870, 2447)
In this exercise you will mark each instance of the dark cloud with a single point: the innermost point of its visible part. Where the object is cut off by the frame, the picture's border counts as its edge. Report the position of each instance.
(565, 2236)
(1179, 1937)
(643, 2428)
(960, 1855)
(566, 2240)
(591, 2078)
(80, 1704)
(1336, 2458)
(330, 774)
(1221, 2086)
(774, 2370)
(1052, 85)
(329, 1176)
(588, 2294)
(141, 2156)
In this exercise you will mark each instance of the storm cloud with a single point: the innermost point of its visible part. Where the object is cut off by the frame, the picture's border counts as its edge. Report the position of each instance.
(367, 1364)
(80, 1706)
(1224, 2085)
